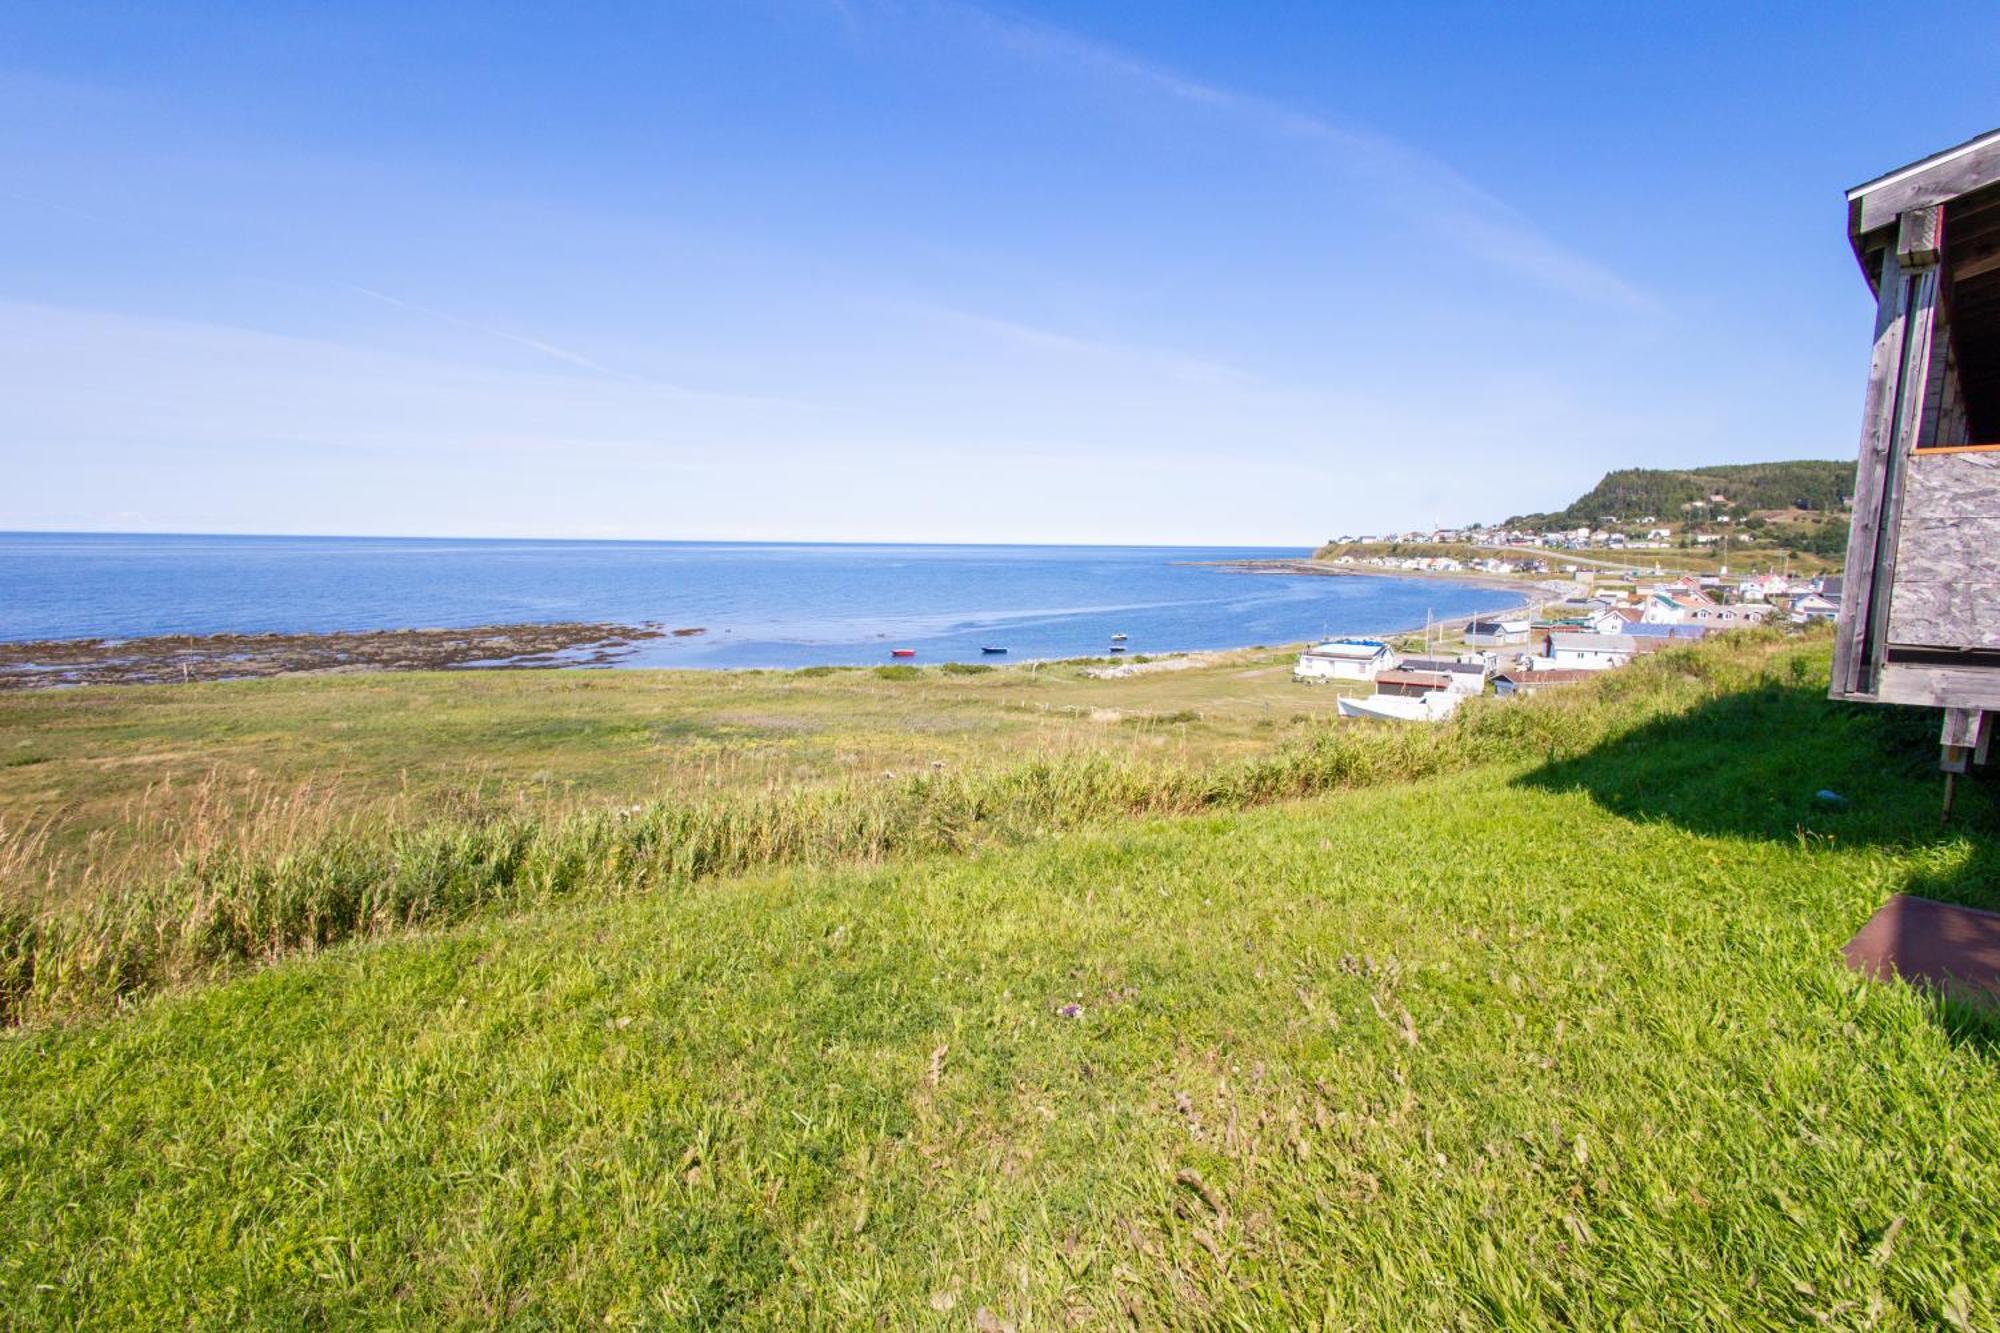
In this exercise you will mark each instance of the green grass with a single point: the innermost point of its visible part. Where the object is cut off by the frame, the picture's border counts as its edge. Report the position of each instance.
(115, 782)
(1558, 1035)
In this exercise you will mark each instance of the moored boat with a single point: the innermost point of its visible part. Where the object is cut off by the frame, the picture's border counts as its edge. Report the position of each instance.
(992, 650)
(902, 652)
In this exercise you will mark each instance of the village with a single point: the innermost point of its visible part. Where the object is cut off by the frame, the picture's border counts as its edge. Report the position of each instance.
(1587, 626)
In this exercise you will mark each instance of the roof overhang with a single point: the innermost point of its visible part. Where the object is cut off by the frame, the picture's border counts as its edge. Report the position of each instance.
(1874, 206)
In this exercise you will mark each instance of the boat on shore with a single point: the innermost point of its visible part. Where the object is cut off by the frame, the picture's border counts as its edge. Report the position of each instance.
(1434, 707)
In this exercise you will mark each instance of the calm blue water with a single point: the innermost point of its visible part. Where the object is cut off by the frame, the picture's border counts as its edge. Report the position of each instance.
(763, 605)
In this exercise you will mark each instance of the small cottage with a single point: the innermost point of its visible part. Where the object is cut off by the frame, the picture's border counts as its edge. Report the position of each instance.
(1503, 632)
(1596, 652)
(1344, 659)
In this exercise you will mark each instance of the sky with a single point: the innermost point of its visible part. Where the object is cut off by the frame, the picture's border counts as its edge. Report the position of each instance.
(862, 270)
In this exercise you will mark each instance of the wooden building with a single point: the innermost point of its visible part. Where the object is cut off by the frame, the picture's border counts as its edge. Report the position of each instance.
(1920, 622)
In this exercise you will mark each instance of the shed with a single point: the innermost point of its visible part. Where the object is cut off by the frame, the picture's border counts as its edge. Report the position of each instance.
(1510, 683)
(1462, 677)
(1920, 622)
(1413, 684)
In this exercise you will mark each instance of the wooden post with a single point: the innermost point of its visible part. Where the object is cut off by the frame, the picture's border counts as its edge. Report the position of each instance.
(1906, 296)
(1964, 735)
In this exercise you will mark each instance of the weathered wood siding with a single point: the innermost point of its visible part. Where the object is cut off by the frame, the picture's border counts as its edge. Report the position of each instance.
(1944, 422)
(1947, 581)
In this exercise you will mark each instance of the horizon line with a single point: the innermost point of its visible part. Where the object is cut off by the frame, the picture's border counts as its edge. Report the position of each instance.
(653, 541)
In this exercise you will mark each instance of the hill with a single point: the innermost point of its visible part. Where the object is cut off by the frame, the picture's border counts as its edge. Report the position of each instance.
(1629, 495)
(1534, 1019)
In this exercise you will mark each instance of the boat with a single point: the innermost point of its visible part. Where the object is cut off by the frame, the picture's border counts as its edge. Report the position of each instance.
(1117, 647)
(902, 652)
(1118, 638)
(1401, 708)
(993, 650)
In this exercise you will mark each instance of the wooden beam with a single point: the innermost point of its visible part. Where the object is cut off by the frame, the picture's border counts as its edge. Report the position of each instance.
(1939, 687)
(1966, 270)
(1920, 237)
(1879, 204)
(1891, 420)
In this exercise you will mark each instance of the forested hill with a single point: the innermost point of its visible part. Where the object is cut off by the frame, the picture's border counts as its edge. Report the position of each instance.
(1631, 494)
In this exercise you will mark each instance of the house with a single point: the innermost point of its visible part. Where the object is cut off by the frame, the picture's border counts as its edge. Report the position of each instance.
(1595, 652)
(1344, 659)
(1673, 606)
(1763, 587)
(1684, 633)
(1510, 683)
(1460, 677)
(1500, 633)
(1812, 607)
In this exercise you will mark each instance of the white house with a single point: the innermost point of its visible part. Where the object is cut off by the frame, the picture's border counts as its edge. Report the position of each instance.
(1344, 659)
(1497, 633)
(1594, 652)
(1763, 587)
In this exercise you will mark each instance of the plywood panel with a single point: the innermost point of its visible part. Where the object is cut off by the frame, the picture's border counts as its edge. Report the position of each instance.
(1947, 583)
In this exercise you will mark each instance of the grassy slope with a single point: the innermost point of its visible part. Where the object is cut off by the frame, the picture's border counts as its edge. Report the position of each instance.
(1633, 1081)
(143, 770)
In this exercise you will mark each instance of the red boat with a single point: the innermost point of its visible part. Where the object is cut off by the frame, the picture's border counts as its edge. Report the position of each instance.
(902, 652)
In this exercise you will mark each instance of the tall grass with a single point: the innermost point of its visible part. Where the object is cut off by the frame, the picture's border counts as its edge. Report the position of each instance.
(293, 879)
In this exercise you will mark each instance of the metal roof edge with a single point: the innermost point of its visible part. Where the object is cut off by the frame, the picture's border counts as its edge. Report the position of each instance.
(1936, 159)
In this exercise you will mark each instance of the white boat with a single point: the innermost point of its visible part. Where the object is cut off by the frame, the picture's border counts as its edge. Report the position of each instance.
(1434, 707)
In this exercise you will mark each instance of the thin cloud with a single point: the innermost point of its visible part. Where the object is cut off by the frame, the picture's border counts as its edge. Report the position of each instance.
(1034, 336)
(51, 205)
(548, 349)
(568, 357)
(1429, 191)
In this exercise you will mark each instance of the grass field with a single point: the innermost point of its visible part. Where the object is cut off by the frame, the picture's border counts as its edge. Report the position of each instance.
(113, 779)
(1557, 1034)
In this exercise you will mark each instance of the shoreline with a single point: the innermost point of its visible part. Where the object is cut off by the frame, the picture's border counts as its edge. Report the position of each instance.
(1319, 569)
(61, 664)
(46, 664)
(1524, 590)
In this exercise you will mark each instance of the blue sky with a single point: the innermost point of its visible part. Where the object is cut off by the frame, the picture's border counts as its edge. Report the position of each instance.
(840, 269)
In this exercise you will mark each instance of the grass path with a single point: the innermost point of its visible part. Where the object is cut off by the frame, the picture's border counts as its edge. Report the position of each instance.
(1515, 1048)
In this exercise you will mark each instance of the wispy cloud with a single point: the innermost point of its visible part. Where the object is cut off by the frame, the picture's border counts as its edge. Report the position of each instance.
(548, 349)
(570, 357)
(1180, 365)
(1428, 191)
(30, 201)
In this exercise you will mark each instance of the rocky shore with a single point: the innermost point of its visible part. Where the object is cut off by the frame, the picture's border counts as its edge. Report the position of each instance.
(50, 663)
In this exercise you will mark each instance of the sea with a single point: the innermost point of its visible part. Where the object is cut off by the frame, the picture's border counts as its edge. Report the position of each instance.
(758, 604)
